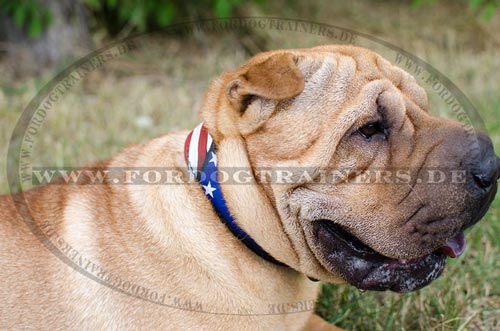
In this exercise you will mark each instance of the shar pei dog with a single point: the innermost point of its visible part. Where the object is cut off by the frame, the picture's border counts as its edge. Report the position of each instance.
(310, 164)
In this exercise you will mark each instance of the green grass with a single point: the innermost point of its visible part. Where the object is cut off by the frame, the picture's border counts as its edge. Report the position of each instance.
(160, 88)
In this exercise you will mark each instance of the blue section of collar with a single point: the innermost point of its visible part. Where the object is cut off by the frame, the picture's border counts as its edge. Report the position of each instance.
(207, 177)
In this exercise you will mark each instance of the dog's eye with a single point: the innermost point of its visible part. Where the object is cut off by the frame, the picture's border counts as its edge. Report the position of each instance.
(371, 129)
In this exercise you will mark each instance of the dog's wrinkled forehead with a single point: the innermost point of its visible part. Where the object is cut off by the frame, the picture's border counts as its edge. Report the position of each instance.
(343, 71)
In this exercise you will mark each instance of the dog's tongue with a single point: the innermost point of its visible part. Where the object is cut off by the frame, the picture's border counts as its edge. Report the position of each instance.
(455, 246)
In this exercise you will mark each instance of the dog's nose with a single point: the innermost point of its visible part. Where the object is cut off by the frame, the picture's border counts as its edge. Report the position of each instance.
(486, 167)
(483, 181)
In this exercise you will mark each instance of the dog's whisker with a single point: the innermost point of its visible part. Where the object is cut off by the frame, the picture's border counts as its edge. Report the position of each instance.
(415, 192)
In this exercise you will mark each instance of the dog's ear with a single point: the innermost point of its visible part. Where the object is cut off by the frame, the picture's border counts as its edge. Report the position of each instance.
(275, 78)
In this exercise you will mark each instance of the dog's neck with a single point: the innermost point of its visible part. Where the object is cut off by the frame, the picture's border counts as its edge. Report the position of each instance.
(202, 161)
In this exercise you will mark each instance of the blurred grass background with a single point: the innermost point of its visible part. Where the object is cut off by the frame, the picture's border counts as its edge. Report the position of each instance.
(160, 88)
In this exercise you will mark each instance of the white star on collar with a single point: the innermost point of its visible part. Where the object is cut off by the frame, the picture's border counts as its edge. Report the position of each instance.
(209, 189)
(213, 159)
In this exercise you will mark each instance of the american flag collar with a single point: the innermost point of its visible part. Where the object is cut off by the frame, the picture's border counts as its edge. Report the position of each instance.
(201, 159)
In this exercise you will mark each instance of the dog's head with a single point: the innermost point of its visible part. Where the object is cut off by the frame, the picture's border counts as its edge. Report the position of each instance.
(376, 190)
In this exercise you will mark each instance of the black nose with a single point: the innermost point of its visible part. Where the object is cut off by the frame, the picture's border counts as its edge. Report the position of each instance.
(486, 167)
(483, 181)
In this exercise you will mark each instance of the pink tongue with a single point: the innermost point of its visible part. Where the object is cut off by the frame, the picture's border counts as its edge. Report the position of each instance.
(455, 246)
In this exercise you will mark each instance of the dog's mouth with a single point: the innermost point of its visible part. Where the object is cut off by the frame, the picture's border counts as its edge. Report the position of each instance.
(367, 269)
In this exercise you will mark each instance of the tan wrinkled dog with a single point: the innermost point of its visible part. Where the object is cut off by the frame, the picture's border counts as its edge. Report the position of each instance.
(335, 107)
